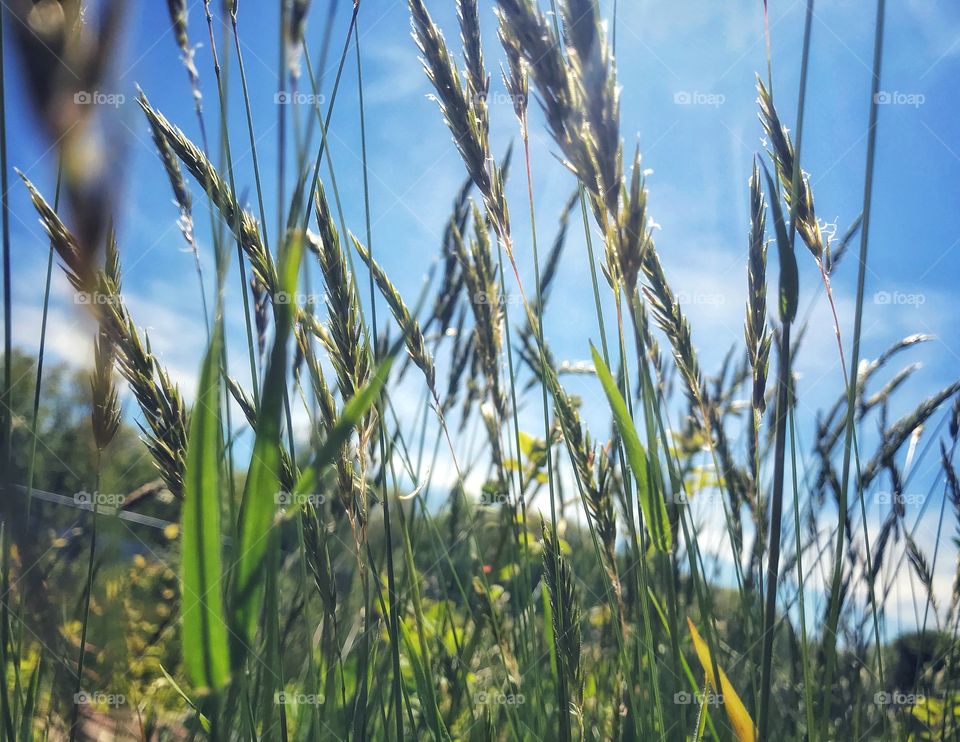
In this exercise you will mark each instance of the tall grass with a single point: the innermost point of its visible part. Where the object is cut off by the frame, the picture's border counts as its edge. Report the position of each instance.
(560, 584)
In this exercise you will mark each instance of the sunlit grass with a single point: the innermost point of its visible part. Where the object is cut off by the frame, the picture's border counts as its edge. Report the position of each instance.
(559, 582)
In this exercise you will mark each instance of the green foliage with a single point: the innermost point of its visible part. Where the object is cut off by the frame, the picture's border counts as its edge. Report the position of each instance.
(205, 644)
(388, 555)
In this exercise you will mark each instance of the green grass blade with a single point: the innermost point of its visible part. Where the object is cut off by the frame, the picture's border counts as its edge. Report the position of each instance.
(355, 409)
(205, 646)
(652, 504)
(849, 443)
(259, 504)
(27, 722)
(425, 685)
(204, 721)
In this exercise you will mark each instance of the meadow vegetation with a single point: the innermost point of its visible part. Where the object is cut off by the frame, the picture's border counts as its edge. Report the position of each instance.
(262, 579)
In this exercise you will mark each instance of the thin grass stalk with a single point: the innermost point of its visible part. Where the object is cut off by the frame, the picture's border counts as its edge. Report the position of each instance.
(320, 66)
(465, 110)
(516, 83)
(643, 575)
(653, 417)
(467, 122)
(271, 670)
(833, 616)
(361, 697)
(284, 8)
(518, 505)
(694, 556)
(314, 680)
(178, 13)
(587, 235)
(85, 615)
(311, 123)
(178, 18)
(381, 422)
(315, 177)
(538, 291)
(782, 409)
(105, 419)
(801, 587)
(222, 92)
(237, 227)
(37, 389)
(250, 133)
(769, 614)
(654, 482)
(868, 549)
(758, 343)
(776, 194)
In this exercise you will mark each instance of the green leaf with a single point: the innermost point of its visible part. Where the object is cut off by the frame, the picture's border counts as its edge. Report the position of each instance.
(425, 686)
(789, 275)
(260, 492)
(653, 507)
(205, 645)
(204, 721)
(27, 723)
(353, 411)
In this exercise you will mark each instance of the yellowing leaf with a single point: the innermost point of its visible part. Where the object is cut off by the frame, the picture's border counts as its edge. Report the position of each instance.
(740, 720)
(527, 443)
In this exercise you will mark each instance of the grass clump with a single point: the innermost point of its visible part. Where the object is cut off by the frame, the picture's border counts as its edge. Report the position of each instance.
(315, 574)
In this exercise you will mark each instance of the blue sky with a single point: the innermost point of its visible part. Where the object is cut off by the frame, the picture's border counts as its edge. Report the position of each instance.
(700, 153)
(687, 72)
